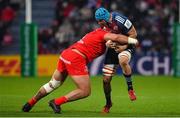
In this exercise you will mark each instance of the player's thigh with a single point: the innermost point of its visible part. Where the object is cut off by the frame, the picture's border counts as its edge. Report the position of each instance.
(110, 63)
(59, 76)
(82, 82)
(60, 73)
(111, 57)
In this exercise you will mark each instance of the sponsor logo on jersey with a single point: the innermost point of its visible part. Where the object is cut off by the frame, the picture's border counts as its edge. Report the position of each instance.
(120, 19)
(128, 24)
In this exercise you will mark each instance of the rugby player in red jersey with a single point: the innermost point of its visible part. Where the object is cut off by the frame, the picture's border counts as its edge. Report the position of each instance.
(73, 62)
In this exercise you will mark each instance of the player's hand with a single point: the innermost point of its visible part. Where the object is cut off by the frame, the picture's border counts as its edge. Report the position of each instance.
(117, 47)
(120, 48)
(111, 44)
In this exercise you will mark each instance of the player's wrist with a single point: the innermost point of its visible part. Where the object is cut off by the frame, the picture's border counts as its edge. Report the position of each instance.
(132, 41)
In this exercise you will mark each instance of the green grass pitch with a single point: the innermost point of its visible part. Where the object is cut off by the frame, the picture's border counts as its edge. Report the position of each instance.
(156, 96)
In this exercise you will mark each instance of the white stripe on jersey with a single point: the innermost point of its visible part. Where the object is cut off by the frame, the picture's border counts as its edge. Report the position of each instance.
(120, 19)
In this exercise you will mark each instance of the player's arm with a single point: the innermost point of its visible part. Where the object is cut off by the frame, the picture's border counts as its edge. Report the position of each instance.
(132, 32)
(121, 39)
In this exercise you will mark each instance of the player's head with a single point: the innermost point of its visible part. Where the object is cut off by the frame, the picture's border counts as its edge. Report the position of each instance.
(102, 14)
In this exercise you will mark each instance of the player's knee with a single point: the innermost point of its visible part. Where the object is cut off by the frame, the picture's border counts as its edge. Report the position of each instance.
(85, 92)
(51, 85)
(123, 62)
(124, 58)
(109, 70)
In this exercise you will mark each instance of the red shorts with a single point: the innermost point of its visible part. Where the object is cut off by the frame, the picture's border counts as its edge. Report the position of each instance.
(72, 62)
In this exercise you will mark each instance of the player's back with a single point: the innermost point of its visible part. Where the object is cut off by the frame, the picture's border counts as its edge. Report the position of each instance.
(92, 44)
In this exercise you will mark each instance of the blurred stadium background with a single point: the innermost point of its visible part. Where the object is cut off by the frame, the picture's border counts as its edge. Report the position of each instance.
(60, 23)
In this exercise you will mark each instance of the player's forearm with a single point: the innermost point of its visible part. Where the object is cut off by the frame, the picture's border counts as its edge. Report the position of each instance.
(133, 35)
(121, 39)
(126, 40)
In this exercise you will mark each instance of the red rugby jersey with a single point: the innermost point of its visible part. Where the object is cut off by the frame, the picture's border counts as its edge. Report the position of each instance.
(92, 44)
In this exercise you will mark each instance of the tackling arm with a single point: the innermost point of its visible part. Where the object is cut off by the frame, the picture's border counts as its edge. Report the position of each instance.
(131, 33)
(121, 39)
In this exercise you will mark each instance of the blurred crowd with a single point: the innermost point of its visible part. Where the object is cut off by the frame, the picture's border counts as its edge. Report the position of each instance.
(8, 10)
(153, 20)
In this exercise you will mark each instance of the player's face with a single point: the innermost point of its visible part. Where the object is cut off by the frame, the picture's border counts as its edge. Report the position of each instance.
(102, 23)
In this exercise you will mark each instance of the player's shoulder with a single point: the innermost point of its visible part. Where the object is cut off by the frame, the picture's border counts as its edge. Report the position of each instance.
(116, 15)
(104, 29)
(121, 19)
(98, 32)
